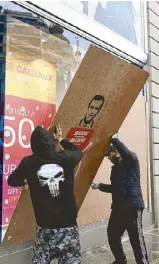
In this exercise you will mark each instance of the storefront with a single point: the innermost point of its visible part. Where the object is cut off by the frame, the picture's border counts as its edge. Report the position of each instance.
(45, 44)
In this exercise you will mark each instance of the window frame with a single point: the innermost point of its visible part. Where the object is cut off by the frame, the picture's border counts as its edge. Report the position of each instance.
(87, 28)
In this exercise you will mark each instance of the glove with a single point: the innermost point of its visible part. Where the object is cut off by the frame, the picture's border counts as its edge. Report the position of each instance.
(116, 135)
(95, 186)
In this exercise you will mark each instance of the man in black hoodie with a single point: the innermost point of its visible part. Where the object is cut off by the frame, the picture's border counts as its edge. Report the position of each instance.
(50, 176)
(127, 203)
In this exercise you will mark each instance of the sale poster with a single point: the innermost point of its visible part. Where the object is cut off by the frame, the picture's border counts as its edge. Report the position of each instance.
(30, 100)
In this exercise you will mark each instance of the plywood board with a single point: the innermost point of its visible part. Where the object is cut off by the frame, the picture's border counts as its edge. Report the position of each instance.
(103, 74)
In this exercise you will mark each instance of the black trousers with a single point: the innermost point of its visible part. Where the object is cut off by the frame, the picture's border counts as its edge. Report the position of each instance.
(129, 219)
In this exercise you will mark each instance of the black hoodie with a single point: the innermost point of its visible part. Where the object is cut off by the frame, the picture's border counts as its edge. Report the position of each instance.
(54, 204)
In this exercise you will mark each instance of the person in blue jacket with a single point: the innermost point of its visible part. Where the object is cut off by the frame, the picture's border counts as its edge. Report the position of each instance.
(127, 202)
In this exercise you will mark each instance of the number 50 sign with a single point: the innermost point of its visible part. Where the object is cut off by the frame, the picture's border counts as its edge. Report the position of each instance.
(9, 132)
(21, 117)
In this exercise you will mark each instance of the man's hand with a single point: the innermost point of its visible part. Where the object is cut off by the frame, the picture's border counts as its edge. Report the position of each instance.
(24, 188)
(58, 134)
(58, 137)
(95, 186)
(116, 135)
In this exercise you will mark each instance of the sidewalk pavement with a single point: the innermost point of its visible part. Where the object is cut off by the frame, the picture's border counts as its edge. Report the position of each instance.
(103, 255)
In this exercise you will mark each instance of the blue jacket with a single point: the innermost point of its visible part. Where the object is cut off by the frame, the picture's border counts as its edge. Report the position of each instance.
(125, 179)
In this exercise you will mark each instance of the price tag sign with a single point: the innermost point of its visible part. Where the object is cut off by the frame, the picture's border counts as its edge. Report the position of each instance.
(80, 136)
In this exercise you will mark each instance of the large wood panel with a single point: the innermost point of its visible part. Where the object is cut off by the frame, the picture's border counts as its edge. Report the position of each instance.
(100, 73)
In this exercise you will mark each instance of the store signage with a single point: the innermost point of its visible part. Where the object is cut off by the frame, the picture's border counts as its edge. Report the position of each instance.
(80, 136)
(26, 106)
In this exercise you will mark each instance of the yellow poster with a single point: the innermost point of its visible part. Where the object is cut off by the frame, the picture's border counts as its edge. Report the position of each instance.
(30, 77)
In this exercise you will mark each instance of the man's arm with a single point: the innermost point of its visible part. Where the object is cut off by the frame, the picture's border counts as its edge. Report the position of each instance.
(123, 150)
(71, 153)
(102, 187)
(17, 177)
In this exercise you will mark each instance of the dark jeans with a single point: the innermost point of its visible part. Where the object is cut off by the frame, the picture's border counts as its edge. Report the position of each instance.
(129, 219)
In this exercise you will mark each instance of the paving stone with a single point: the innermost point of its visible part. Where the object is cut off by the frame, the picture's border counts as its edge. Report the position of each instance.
(103, 255)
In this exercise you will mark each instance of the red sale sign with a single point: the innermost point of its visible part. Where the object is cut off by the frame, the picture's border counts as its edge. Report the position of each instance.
(10, 195)
(80, 136)
(21, 117)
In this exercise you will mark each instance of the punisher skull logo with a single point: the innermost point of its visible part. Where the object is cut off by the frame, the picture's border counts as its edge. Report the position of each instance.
(51, 175)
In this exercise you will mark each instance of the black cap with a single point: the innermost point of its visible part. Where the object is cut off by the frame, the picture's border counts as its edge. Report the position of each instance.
(111, 149)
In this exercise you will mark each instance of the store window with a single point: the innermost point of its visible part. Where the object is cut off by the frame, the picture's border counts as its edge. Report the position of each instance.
(123, 17)
(41, 59)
